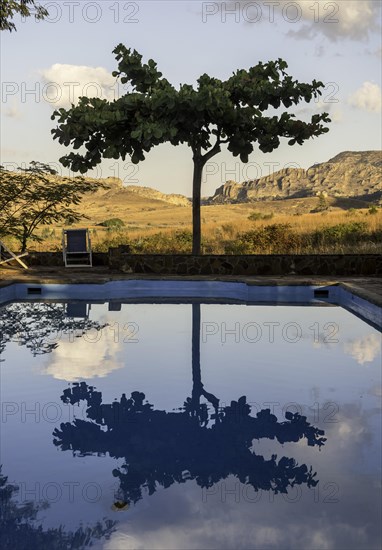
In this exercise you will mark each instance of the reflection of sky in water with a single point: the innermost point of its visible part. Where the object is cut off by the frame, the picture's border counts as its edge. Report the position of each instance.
(320, 361)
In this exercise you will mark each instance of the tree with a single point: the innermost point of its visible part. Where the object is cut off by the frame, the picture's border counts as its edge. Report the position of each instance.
(26, 8)
(32, 197)
(215, 113)
(322, 202)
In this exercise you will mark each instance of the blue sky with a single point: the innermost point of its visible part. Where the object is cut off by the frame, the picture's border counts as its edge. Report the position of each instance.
(47, 64)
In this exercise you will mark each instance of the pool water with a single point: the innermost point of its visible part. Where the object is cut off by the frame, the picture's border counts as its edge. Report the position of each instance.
(189, 424)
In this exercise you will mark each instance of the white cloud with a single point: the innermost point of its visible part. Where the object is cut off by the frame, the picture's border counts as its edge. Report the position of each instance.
(367, 97)
(365, 349)
(64, 84)
(13, 111)
(353, 19)
(335, 113)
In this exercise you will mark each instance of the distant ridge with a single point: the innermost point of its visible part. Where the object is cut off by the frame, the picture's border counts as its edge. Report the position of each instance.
(116, 190)
(350, 174)
(150, 193)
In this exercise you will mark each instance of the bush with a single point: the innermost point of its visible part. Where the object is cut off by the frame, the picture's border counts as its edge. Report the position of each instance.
(45, 233)
(229, 229)
(268, 216)
(255, 216)
(342, 233)
(270, 239)
(373, 209)
(351, 212)
(113, 223)
(164, 243)
(322, 203)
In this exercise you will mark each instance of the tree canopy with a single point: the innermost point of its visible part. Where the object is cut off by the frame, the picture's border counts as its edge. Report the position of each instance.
(32, 197)
(25, 8)
(238, 112)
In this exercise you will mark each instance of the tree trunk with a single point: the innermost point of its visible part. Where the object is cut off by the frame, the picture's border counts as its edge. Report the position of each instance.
(196, 192)
(199, 162)
(24, 240)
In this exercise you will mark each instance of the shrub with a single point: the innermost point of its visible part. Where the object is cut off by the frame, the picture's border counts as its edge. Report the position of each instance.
(268, 216)
(342, 233)
(351, 212)
(164, 243)
(322, 203)
(229, 229)
(373, 209)
(271, 239)
(45, 233)
(113, 223)
(255, 216)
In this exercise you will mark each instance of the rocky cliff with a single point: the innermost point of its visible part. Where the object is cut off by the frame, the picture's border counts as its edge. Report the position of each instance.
(349, 174)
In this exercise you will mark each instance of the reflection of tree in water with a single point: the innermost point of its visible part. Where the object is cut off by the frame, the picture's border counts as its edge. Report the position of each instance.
(40, 325)
(21, 530)
(161, 448)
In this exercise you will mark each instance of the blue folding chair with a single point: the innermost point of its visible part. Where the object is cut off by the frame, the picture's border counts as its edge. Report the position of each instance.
(76, 248)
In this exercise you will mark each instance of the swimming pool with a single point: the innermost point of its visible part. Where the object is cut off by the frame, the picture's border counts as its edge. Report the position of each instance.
(159, 415)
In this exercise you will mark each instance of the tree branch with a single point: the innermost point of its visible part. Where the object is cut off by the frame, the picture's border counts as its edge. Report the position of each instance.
(212, 152)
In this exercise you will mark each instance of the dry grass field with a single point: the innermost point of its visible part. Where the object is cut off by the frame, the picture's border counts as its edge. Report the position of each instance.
(276, 226)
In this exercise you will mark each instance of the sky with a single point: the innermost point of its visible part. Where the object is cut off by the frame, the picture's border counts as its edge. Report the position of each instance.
(49, 64)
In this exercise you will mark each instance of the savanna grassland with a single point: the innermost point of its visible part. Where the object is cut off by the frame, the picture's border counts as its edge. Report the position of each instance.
(306, 225)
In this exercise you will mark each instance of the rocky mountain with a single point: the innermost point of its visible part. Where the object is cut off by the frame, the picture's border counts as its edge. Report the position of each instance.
(349, 174)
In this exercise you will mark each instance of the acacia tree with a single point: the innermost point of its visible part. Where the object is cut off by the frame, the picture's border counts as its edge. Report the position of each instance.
(31, 197)
(217, 112)
(25, 8)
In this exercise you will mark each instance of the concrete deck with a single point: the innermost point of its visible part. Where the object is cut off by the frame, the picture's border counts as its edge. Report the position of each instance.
(365, 287)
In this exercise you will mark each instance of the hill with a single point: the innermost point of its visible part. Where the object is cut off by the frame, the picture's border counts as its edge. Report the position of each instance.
(349, 174)
(116, 191)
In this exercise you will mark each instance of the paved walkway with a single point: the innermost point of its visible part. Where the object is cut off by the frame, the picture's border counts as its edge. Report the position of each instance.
(365, 287)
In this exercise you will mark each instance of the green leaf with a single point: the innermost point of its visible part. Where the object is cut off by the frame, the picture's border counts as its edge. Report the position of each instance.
(136, 134)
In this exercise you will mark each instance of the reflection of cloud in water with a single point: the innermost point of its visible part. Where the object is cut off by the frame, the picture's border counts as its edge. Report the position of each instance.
(376, 390)
(121, 541)
(364, 349)
(351, 427)
(245, 530)
(94, 355)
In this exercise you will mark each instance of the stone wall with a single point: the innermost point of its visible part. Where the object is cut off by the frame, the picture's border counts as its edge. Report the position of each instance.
(276, 264)
(56, 259)
(120, 259)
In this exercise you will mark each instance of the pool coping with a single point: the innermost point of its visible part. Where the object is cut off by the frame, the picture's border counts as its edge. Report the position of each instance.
(367, 288)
